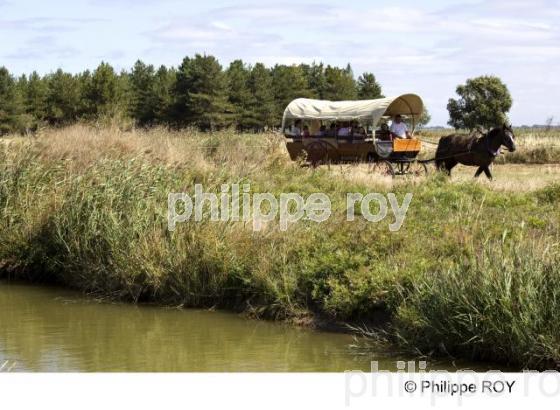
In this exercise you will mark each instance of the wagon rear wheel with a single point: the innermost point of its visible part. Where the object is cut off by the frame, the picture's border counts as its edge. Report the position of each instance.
(317, 153)
(383, 167)
(371, 162)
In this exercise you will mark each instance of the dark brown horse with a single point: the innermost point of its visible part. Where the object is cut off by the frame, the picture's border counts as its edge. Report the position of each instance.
(477, 150)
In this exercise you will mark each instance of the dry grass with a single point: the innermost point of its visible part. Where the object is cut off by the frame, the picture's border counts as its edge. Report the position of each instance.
(82, 145)
(512, 177)
(507, 177)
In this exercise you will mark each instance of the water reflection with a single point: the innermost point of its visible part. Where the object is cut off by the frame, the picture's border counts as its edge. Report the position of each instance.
(49, 329)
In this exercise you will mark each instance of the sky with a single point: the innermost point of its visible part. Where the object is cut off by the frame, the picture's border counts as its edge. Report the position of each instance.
(426, 47)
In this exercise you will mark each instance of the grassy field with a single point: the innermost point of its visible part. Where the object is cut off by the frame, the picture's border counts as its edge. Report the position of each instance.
(473, 273)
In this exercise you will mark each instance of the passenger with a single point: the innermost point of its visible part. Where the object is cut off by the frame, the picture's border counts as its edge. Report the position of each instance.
(296, 129)
(383, 134)
(358, 131)
(322, 131)
(345, 130)
(306, 133)
(398, 128)
(332, 130)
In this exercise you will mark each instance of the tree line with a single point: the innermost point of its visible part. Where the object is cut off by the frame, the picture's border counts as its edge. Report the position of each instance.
(198, 93)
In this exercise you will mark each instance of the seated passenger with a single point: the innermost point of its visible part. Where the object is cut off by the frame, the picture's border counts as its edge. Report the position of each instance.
(345, 130)
(306, 133)
(322, 131)
(296, 129)
(383, 133)
(398, 128)
(332, 130)
(358, 132)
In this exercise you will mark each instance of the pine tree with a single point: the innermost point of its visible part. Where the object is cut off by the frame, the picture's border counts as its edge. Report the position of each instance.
(35, 98)
(11, 108)
(239, 94)
(261, 107)
(317, 80)
(368, 87)
(83, 83)
(103, 93)
(63, 98)
(340, 84)
(288, 83)
(21, 86)
(31, 95)
(164, 82)
(122, 103)
(142, 97)
(201, 94)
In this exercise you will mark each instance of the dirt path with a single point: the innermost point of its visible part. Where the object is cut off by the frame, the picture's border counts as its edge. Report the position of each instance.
(507, 177)
(514, 177)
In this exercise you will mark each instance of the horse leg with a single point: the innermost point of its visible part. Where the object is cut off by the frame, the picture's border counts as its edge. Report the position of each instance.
(487, 173)
(478, 171)
(442, 166)
(449, 165)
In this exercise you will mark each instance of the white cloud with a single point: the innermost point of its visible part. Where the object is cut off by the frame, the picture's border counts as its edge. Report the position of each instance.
(406, 47)
(41, 47)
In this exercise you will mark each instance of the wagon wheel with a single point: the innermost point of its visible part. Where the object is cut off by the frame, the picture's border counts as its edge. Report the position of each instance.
(383, 167)
(371, 162)
(317, 152)
(413, 168)
(418, 169)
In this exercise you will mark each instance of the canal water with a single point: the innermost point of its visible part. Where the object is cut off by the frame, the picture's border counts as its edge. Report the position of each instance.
(56, 330)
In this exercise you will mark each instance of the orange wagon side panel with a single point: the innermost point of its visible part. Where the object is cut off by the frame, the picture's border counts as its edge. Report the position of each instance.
(406, 145)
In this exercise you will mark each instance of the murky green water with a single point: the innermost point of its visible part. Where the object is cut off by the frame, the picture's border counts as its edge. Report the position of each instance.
(49, 329)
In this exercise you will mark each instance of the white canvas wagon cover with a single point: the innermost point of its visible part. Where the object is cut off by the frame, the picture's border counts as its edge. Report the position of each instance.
(308, 109)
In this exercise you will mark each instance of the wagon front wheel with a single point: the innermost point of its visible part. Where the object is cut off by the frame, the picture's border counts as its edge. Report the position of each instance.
(417, 169)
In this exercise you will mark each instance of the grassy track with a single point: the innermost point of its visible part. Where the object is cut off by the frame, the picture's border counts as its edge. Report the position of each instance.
(474, 271)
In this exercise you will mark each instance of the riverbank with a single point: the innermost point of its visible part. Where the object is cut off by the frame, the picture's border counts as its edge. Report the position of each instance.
(473, 272)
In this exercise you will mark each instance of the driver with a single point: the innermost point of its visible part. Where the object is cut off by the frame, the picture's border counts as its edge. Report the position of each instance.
(398, 128)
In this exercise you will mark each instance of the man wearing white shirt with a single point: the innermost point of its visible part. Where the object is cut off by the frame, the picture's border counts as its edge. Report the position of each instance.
(398, 128)
(296, 129)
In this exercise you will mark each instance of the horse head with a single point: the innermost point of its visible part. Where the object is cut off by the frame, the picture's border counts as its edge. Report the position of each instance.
(508, 139)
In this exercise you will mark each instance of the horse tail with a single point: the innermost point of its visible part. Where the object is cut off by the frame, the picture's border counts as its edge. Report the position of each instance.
(441, 150)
